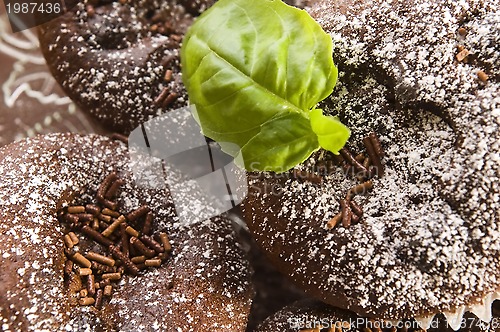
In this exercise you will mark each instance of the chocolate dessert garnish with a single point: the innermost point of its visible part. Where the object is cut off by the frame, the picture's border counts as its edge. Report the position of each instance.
(346, 213)
(98, 298)
(85, 217)
(462, 54)
(110, 212)
(161, 97)
(91, 284)
(68, 242)
(138, 259)
(82, 261)
(84, 271)
(73, 238)
(374, 156)
(165, 242)
(76, 209)
(87, 301)
(113, 189)
(311, 177)
(131, 231)
(96, 236)
(136, 214)
(101, 268)
(376, 144)
(358, 211)
(152, 262)
(68, 267)
(172, 96)
(129, 266)
(112, 276)
(334, 221)
(346, 154)
(95, 224)
(104, 217)
(108, 289)
(168, 75)
(360, 157)
(146, 229)
(351, 212)
(124, 239)
(72, 219)
(366, 163)
(482, 76)
(151, 243)
(93, 256)
(106, 183)
(141, 247)
(111, 228)
(361, 188)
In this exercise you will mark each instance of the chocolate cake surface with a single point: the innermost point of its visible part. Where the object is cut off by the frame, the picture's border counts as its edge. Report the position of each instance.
(200, 283)
(428, 240)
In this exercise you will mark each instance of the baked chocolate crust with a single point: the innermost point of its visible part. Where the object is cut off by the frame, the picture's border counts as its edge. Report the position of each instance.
(203, 285)
(119, 61)
(429, 238)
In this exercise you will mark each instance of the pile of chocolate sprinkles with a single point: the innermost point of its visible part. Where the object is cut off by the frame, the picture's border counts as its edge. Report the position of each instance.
(363, 168)
(127, 244)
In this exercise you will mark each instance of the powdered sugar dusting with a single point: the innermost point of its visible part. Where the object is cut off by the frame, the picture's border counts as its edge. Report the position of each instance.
(112, 63)
(430, 236)
(205, 276)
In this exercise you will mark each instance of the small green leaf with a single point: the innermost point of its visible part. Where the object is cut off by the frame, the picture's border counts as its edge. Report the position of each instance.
(281, 144)
(332, 134)
(248, 65)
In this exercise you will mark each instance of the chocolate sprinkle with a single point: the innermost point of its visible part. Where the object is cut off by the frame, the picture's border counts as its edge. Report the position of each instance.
(141, 247)
(346, 213)
(96, 236)
(350, 159)
(374, 156)
(97, 266)
(146, 229)
(358, 211)
(136, 214)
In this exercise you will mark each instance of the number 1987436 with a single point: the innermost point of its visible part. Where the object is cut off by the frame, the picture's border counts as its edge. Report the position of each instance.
(33, 7)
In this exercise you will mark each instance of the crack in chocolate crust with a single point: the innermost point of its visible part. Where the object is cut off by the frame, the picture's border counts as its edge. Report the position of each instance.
(206, 277)
(430, 239)
(112, 58)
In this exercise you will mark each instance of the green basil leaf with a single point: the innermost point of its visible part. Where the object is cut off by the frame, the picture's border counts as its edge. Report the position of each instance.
(282, 143)
(247, 63)
(332, 134)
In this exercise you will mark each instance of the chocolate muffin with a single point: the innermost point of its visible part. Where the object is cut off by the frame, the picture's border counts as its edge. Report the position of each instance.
(119, 61)
(417, 233)
(82, 247)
